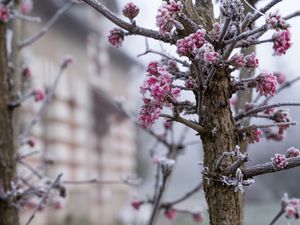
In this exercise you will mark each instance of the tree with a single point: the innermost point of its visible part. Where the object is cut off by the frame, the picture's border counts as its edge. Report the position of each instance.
(209, 53)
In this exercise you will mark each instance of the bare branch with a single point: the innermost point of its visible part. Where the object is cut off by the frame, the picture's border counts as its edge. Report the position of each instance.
(55, 182)
(263, 108)
(46, 28)
(132, 29)
(268, 167)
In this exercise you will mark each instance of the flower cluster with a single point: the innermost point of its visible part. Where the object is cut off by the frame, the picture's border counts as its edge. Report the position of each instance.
(165, 18)
(281, 42)
(251, 60)
(266, 84)
(281, 78)
(271, 135)
(170, 214)
(292, 152)
(232, 9)
(290, 207)
(26, 6)
(237, 61)
(280, 116)
(279, 161)
(254, 135)
(275, 21)
(216, 31)
(130, 10)
(156, 88)
(39, 95)
(188, 45)
(116, 37)
(4, 13)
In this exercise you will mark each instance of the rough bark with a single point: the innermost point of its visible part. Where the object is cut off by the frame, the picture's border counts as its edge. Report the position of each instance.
(223, 203)
(8, 213)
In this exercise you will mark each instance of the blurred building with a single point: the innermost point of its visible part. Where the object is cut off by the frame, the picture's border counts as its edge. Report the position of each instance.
(82, 133)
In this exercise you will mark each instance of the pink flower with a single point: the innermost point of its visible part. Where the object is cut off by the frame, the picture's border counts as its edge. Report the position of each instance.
(4, 13)
(280, 78)
(279, 161)
(237, 61)
(188, 45)
(216, 31)
(249, 106)
(26, 6)
(136, 204)
(290, 207)
(275, 21)
(254, 135)
(233, 101)
(266, 84)
(116, 37)
(170, 214)
(190, 83)
(130, 10)
(292, 152)
(39, 95)
(209, 55)
(168, 124)
(26, 72)
(149, 113)
(197, 217)
(31, 142)
(282, 116)
(281, 42)
(153, 68)
(251, 60)
(165, 18)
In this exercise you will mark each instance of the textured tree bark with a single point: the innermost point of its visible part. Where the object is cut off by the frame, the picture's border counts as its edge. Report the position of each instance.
(8, 213)
(223, 203)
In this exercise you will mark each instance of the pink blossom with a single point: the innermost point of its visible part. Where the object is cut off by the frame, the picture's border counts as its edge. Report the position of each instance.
(251, 60)
(280, 78)
(136, 204)
(290, 207)
(216, 31)
(168, 124)
(190, 83)
(249, 106)
(175, 92)
(237, 61)
(281, 42)
(270, 135)
(197, 217)
(130, 10)
(149, 113)
(39, 95)
(153, 68)
(26, 72)
(188, 45)
(57, 203)
(209, 55)
(233, 101)
(165, 18)
(266, 84)
(279, 161)
(282, 116)
(275, 21)
(26, 6)
(116, 37)
(292, 152)
(4, 13)
(31, 142)
(254, 135)
(170, 214)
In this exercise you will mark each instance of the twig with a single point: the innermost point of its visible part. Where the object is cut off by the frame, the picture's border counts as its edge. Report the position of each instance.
(132, 29)
(95, 181)
(149, 50)
(281, 88)
(34, 171)
(184, 197)
(48, 99)
(267, 126)
(262, 108)
(46, 28)
(268, 167)
(18, 15)
(279, 214)
(43, 199)
(184, 121)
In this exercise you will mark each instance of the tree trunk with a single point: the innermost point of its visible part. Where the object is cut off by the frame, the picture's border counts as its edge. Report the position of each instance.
(8, 213)
(225, 207)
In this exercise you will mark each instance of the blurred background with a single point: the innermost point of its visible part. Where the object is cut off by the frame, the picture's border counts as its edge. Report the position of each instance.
(84, 135)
